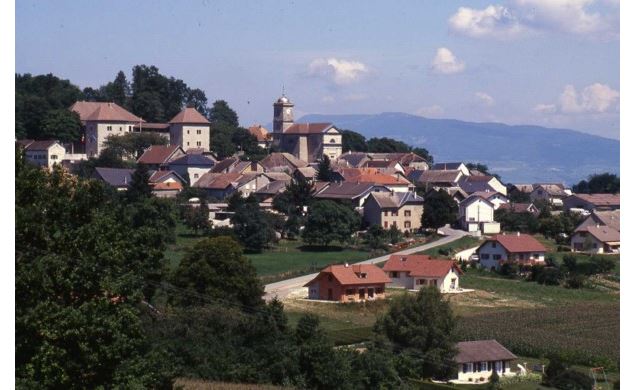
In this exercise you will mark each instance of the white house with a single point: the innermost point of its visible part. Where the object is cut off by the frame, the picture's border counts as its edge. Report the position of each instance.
(519, 248)
(478, 359)
(43, 153)
(190, 130)
(416, 271)
(477, 214)
(554, 193)
(495, 197)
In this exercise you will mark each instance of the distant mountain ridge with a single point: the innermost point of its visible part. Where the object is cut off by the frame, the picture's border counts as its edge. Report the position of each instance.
(519, 153)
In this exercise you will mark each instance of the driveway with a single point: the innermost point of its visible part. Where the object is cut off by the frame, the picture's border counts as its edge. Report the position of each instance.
(282, 288)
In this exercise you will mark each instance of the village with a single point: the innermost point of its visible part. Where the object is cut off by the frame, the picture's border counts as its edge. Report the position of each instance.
(454, 226)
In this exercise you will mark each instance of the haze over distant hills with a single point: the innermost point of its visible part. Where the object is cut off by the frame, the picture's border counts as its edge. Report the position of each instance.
(520, 154)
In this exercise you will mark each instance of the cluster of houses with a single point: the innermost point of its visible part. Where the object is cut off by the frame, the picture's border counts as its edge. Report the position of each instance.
(380, 186)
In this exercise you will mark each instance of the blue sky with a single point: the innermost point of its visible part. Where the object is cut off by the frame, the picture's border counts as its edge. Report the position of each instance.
(545, 62)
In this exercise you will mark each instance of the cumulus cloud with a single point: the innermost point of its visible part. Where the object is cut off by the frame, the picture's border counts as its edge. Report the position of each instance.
(593, 99)
(433, 110)
(338, 71)
(484, 99)
(445, 62)
(521, 16)
(493, 21)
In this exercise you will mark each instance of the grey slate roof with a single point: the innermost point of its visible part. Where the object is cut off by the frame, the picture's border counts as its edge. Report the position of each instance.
(482, 351)
(189, 160)
(116, 177)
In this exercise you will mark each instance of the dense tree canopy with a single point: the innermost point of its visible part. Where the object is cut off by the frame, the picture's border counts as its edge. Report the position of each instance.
(84, 263)
(324, 171)
(62, 125)
(352, 141)
(222, 114)
(132, 145)
(35, 98)
(605, 183)
(438, 209)
(328, 221)
(252, 227)
(387, 145)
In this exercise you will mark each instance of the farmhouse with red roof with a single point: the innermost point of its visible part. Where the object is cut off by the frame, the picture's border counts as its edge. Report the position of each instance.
(349, 283)
(416, 271)
(520, 248)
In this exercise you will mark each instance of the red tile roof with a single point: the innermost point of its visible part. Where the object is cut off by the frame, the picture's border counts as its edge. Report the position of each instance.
(372, 175)
(189, 115)
(599, 199)
(158, 154)
(352, 274)
(261, 134)
(103, 111)
(515, 243)
(420, 265)
(308, 128)
(169, 185)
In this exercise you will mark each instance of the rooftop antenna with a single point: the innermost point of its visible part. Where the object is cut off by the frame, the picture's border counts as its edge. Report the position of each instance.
(282, 89)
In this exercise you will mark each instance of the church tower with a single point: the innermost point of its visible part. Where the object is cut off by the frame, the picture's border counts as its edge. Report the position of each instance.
(282, 114)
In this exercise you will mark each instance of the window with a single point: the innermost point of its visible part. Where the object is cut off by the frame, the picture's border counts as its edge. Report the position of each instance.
(484, 256)
(386, 224)
(188, 132)
(53, 157)
(349, 291)
(198, 132)
(493, 244)
(394, 223)
(394, 274)
(196, 175)
(496, 257)
(379, 290)
(406, 213)
(521, 256)
(129, 128)
(362, 275)
(332, 140)
(385, 213)
(120, 128)
(330, 278)
(536, 256)
(188, 144)
(406, 224)
(395, 213)
(421, 281)
(595, 245)
(198, 143)
(471, 219)
(464, 368)
(109, 128)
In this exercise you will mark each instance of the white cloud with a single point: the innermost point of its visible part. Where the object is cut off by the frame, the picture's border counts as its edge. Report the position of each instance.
(445, 62)
(521, 16)
(433, 110)
(339, 71)
(484, 99)
(593, 99)
(494, 21)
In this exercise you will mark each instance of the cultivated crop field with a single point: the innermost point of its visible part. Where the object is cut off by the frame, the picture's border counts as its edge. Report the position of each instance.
(583, 333)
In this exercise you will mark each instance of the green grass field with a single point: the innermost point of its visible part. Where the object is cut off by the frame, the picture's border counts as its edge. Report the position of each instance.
(453, 247)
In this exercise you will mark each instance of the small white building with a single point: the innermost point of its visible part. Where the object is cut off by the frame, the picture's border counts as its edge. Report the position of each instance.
(477, 214)
(477, 360)
(598, 233)
(44, 153)
(416, 271)
(518, 248)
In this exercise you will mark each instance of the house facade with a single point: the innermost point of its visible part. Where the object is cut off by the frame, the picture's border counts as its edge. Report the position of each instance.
(476, 214)
(400, 209)
(44, 153)
(553, 193)
(349, 283)
(189, 129)
(598, 233)
(477, 360)
(416, 271)
(192, 166)
(518, 248)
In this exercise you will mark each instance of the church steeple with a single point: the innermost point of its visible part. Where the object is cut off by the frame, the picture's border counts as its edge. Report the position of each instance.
(282, 113)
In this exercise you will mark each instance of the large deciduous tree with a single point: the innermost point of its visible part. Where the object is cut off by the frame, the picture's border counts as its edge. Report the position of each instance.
(62, 124)
(324, 171)
(353, 142)
(605, 183)
(421, 330)
(215, 269)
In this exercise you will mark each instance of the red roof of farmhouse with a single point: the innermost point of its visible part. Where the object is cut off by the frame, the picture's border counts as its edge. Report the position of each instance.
(420, 265)
(515, 243)
(352, 274)
(189, 115)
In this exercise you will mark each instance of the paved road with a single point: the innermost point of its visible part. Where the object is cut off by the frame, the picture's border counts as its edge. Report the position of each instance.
(282, 288)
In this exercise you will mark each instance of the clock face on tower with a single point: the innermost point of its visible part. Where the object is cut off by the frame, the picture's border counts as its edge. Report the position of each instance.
(287, 111)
